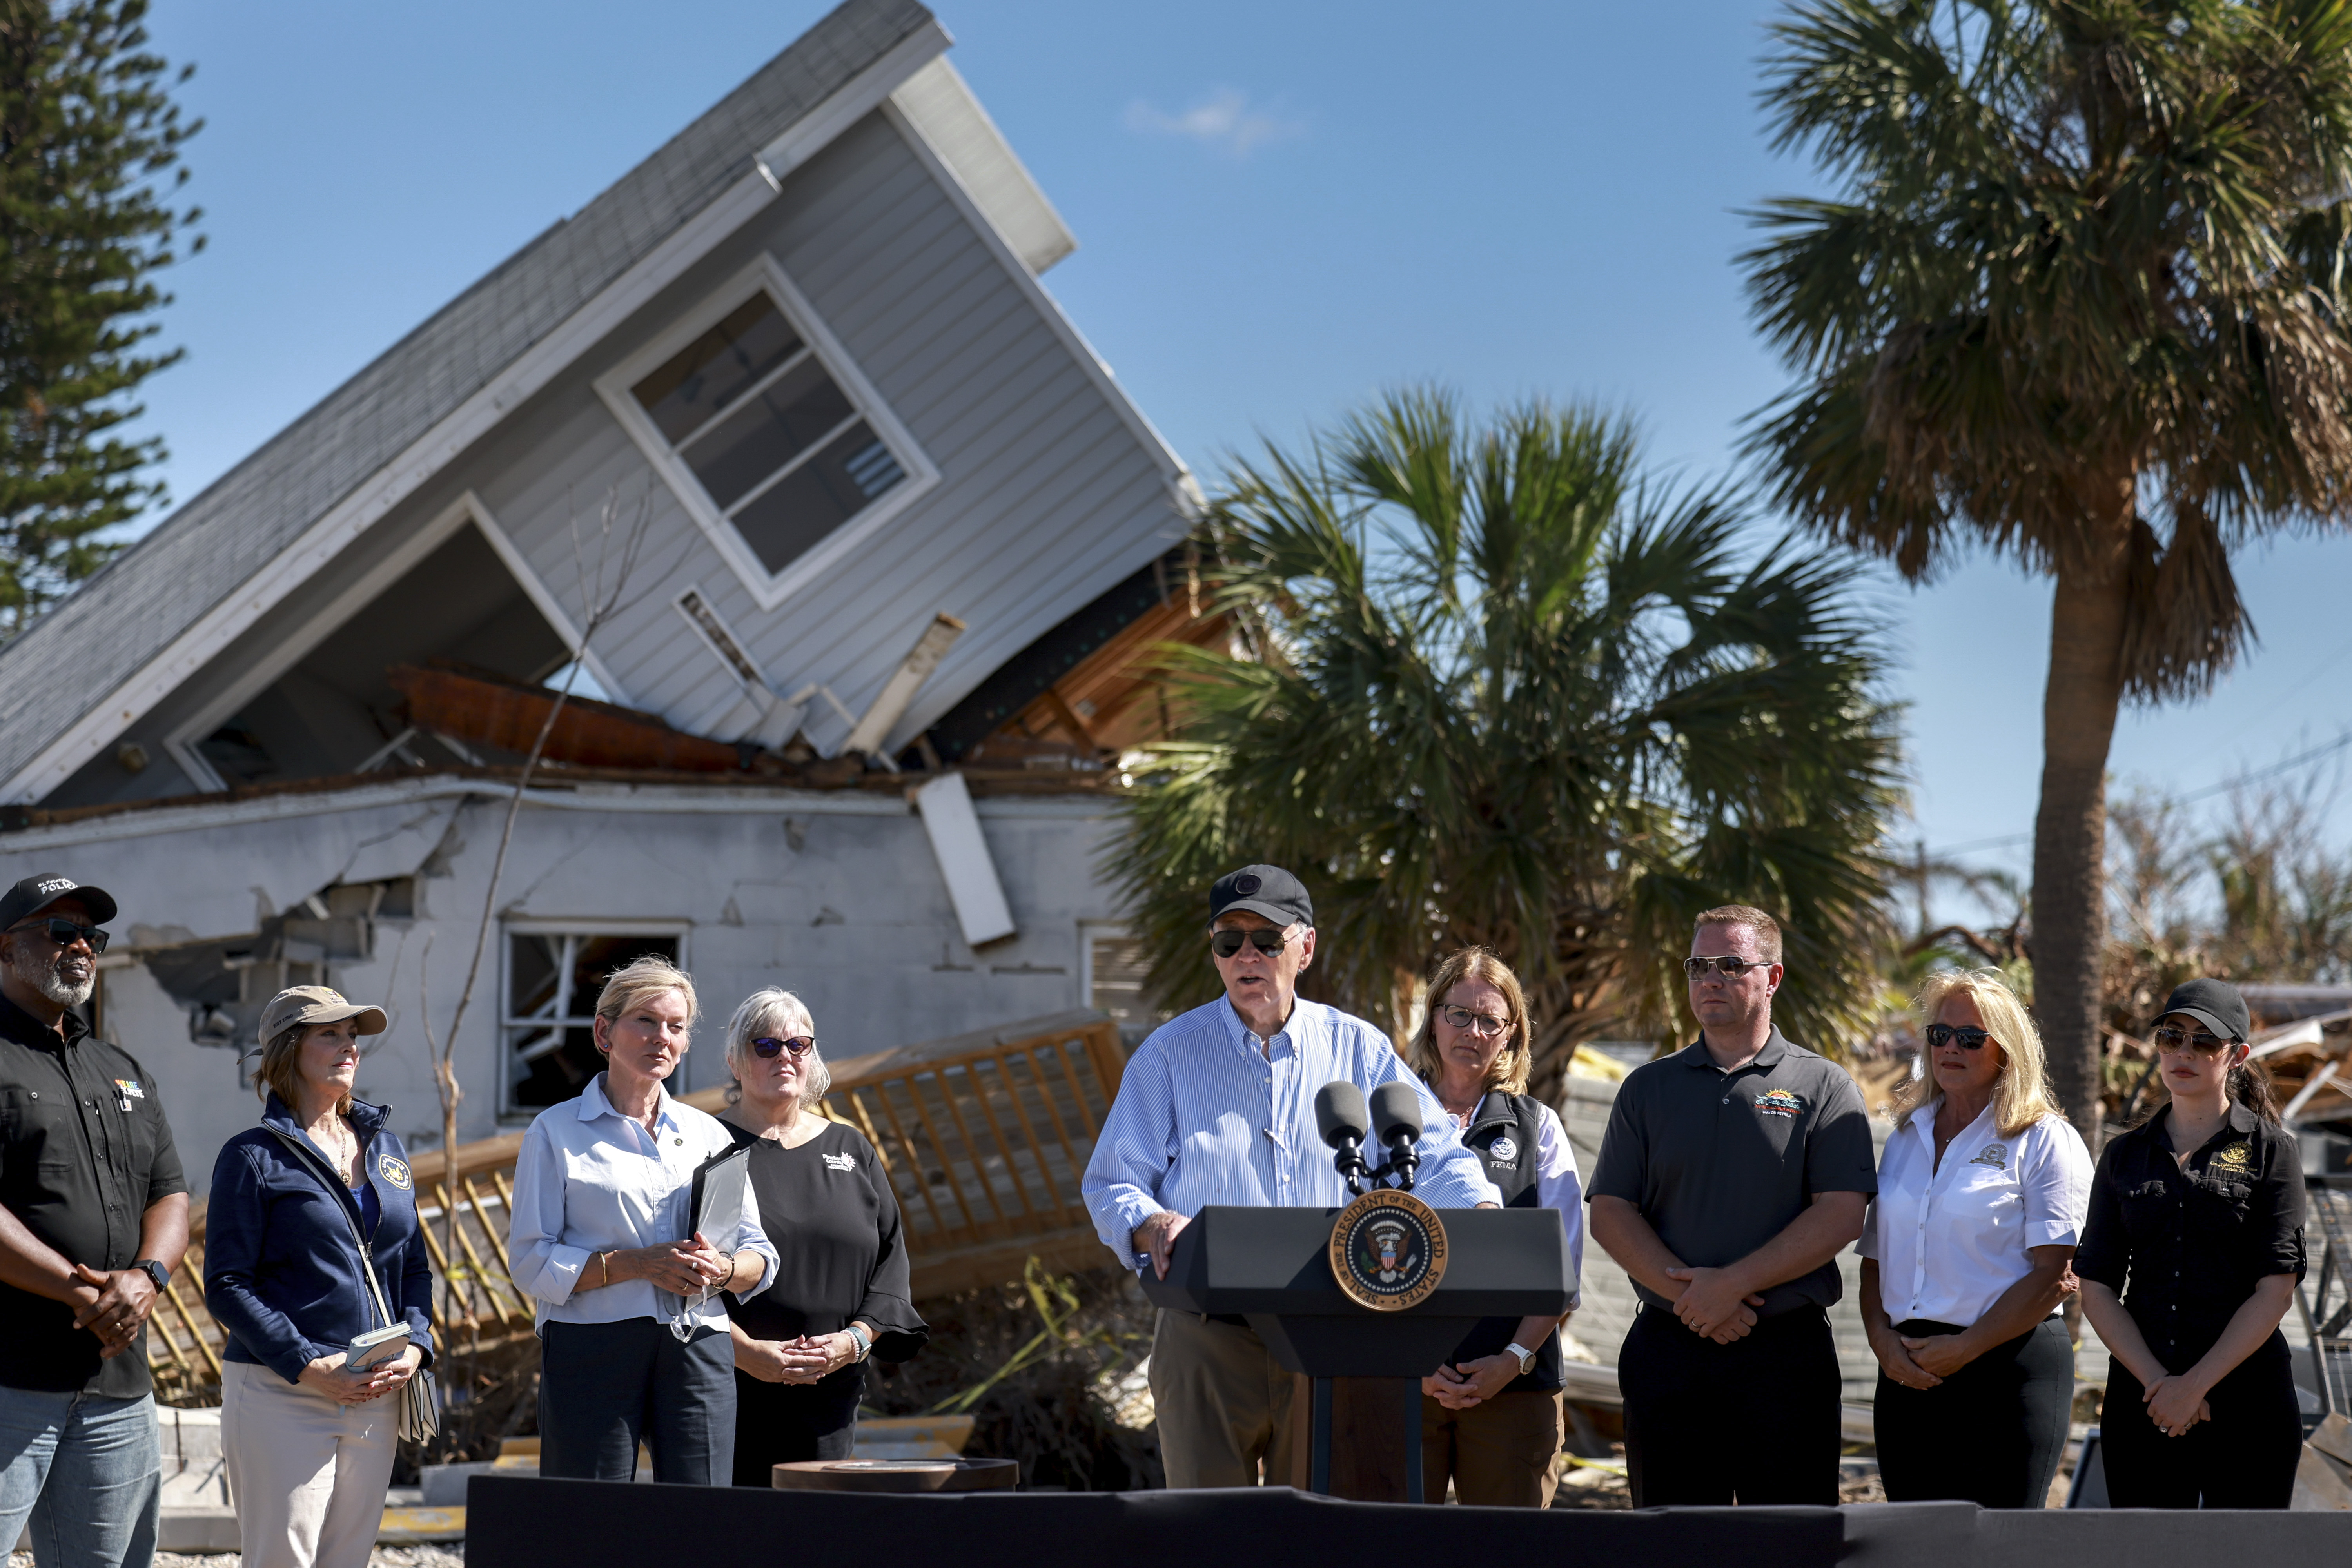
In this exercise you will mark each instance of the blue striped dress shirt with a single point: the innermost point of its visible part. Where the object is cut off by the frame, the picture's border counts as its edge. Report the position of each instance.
(1204, 1116)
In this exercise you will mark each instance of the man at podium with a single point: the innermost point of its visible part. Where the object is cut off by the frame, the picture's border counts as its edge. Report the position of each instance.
(1218, 1106)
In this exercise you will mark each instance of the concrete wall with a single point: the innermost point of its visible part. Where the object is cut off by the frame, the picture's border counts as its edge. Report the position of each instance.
(855, 917)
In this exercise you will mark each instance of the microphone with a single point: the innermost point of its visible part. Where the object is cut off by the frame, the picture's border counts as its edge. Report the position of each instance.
(1340, 1117)
(1396, 1112)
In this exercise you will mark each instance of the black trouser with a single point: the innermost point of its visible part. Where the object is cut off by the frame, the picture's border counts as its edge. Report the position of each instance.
(2245, 1457)
(1755, 1421)
(1991, 1434)
(780, 1422)
(604, 1386)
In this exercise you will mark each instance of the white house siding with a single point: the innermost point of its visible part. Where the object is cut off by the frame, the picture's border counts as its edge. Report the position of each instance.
(1047, 494)
(857, 919)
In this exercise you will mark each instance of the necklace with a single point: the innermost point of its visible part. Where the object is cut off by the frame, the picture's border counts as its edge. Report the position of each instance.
(346, 1152)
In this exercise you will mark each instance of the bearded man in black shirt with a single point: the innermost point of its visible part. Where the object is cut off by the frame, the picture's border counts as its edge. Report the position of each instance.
(93, 1219)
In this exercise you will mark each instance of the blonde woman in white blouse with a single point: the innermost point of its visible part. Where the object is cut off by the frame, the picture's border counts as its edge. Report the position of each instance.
(1966, 1255)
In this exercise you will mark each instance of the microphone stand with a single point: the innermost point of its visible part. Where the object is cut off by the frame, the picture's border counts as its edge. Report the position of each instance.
(1348, 1159)
(1403, 1161)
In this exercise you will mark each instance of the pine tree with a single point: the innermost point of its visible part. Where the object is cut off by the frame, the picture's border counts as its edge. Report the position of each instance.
(88, 137)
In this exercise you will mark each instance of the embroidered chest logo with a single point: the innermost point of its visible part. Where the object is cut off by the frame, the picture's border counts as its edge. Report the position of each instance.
(841, 1161)
(393, 1170)
(2237, 1160)
(1992, 1155)
(1503, 1150)
(1780, 1102)
(129, 1089)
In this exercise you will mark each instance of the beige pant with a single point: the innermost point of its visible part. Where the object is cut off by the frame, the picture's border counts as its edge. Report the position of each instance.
(307, 1475)
(1223, 1404)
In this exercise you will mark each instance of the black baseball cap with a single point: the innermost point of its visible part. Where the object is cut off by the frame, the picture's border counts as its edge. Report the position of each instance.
(1267, 890)
(2214, 1003)
(35, 893)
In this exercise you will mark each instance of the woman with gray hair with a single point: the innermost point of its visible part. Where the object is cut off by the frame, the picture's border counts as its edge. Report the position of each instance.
(840, 1295)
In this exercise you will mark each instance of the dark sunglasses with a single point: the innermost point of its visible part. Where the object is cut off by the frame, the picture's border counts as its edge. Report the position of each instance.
(1968, 1036)
(769, 1045)
(2173, 1037)
(65, 932)
(1730, 965)
(1226, 943)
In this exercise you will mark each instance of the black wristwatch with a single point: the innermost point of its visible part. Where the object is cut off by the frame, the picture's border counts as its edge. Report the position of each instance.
(153, 1270)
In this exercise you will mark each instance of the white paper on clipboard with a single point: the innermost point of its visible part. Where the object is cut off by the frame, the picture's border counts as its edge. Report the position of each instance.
(720, 1185)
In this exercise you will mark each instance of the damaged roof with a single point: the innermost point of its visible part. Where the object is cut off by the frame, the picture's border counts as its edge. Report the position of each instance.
(130, 615)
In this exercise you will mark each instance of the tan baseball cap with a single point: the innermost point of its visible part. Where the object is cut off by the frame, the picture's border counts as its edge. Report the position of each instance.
(317, 1004)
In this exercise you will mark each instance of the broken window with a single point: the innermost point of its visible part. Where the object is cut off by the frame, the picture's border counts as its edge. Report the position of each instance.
(552, 982)
(780, 447)
(1117, 984)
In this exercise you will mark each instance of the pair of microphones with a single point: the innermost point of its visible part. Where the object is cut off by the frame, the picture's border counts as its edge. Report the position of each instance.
(1343, 1118)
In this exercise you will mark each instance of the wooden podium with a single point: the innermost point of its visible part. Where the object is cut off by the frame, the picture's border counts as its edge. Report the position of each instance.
(1359, 1406)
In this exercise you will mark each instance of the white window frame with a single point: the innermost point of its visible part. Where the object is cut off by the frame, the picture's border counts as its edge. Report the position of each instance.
(536, 925)
(768, 589)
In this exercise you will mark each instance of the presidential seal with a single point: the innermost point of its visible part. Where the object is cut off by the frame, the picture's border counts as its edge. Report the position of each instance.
(1388, 1250)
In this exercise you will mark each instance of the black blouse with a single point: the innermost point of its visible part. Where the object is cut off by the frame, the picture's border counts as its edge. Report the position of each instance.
(2193, 1243)
(828, 1207)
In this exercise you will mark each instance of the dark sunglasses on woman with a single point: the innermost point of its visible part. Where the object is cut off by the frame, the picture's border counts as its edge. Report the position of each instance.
(769, 1045)
(1226, 943)
(2173, 1037)
(1968, 1036)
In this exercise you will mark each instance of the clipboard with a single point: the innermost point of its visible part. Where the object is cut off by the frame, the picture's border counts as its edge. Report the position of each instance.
(715, 1208)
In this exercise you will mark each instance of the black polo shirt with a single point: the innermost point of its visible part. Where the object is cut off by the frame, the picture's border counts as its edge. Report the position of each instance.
(79, 1170)
(1721, 1163)
(2185, 1248)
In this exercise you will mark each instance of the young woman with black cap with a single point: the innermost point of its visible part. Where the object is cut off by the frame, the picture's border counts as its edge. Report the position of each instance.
(2199, 1210)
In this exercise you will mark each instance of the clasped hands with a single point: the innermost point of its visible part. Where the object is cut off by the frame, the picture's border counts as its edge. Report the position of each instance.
(2175, 1404)
(327, 1376)
(112, 1305)
(806, 1359)
(1712, 1304)
(1468, 1383)
(681, 1268)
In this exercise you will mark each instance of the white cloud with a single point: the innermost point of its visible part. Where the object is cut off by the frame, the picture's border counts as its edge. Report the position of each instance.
(1225, 119)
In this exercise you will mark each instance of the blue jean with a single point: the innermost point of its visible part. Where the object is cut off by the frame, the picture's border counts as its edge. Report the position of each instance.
(89, 1473)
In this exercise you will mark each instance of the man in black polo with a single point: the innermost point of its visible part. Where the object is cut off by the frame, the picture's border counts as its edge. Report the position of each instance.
(1732, 1175)
(93, 1219)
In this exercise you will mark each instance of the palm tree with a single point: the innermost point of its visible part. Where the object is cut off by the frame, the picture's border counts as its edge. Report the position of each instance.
(1509, 693)
(2080, 302)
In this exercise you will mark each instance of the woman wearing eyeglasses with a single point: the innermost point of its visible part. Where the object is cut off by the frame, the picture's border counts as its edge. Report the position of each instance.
(632, 1345)
(2189, 1261)
(1490, 1417)
(840, 1297)
(1965, 1260)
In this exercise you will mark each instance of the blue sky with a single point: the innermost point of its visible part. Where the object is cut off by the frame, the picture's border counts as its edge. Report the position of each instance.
(1281, 209)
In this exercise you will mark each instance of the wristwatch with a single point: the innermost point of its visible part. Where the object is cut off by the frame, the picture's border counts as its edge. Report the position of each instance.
(1527, 1357)
(153, 1270)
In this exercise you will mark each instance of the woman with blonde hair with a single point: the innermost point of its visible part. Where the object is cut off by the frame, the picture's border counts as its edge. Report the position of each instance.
(633, 1347)
(1966, 1255)
(1490, 1417)
(840, 1295)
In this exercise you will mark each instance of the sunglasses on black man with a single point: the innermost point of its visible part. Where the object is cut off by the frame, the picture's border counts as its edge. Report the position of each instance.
(1265, 939)
(769, 1045)
(65, 932)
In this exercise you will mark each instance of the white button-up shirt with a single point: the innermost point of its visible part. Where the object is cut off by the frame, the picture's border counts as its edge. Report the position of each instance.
(1950, 1242)
(589, 1179)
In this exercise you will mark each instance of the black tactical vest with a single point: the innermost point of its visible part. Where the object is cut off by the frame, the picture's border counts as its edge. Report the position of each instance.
(1503, 1131)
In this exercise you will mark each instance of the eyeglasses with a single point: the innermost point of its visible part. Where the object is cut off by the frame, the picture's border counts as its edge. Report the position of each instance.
(1968, 1036)
(65, 932)
(2173, 1037)
(1480, 1024)
(1265, 939)
(1730, 965)
(769, 1045)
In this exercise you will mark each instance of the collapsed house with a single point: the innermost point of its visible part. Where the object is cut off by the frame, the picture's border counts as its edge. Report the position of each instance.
(863, 542)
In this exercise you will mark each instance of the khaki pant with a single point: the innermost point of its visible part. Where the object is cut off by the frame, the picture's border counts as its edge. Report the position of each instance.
(1223, 1404)
(307, 1475)
(1498, 1453)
